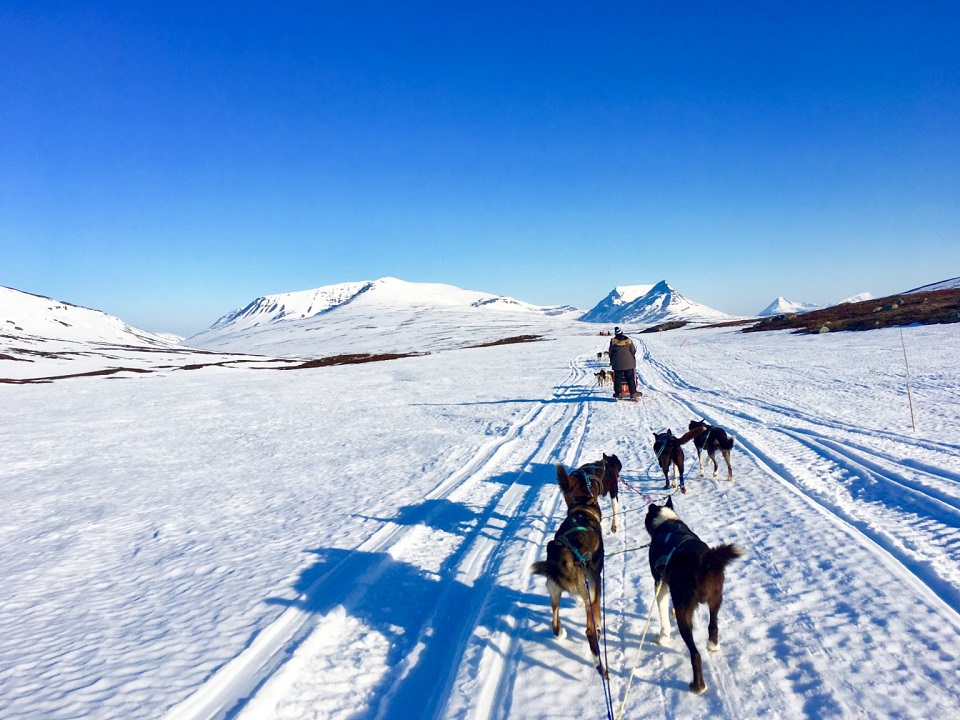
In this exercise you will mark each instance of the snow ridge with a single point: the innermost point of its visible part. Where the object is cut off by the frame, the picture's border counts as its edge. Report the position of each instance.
(35, 318)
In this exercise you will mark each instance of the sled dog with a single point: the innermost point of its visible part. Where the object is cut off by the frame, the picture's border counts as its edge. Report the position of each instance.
(691, 573)
(669, 452)
(574, 561)
(602, 478)
(712, 439)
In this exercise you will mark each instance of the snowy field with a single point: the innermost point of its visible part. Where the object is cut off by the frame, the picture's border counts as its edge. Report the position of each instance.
(353, 541)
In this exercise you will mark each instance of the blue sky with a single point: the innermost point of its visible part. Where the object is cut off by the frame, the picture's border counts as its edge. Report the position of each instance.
(168, 162)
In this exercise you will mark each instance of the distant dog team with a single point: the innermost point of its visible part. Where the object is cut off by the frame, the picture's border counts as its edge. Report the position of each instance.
(604, 377)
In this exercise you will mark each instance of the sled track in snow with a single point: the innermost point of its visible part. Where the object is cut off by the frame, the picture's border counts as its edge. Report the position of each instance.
(931, 486)
(886, 541)
(546, 427)
(724, 401)
(876, 479)
(938, 595)
(478, 561)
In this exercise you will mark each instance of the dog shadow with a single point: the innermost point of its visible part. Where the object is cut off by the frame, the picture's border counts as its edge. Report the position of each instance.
(440, 514)
(423, 650)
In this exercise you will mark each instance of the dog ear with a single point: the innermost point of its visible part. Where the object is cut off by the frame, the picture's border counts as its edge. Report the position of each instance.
(669, 502)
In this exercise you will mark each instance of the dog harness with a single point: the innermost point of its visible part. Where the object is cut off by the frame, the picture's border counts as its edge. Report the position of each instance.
(562, 538)
(665, 544)
(590, 475)
(566, 541)
(706, 435)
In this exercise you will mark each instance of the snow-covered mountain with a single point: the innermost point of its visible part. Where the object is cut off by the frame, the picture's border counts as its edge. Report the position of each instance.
(610, 308)
(42, 339)
(782, 306)
(328, 320)
(660, 303)
(288, 306)
(859, 297)
(951, 284)
(30, 319)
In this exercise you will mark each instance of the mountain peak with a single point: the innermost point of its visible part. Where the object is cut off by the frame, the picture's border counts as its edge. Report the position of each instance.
(660, 303)
(782, 306)
(330, 316)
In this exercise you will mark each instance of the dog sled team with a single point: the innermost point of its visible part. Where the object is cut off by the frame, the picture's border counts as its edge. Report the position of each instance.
(686, 572)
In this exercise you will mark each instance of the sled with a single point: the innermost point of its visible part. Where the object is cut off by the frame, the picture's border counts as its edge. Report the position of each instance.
(623, 393)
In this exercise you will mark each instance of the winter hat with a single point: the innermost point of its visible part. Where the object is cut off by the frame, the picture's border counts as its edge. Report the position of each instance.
(616, 330)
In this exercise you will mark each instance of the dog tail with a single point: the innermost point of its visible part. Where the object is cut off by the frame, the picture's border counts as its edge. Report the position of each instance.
(717, 558)
(542, 567)
(551, 571)
(563, 480)
(727, 443)
(688, 436)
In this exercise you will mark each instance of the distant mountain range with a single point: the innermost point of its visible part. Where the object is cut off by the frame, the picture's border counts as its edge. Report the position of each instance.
(650, 305)
(333, 316)
(330, 319)
(389, 291)
(782, 306)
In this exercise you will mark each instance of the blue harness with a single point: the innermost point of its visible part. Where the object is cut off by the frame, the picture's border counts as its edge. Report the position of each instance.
(665, 545)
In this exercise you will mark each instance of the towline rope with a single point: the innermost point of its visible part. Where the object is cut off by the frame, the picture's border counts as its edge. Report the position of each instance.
(636, 662)
(621, 552)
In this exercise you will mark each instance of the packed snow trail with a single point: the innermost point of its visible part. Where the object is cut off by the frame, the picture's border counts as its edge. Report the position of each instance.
(488, 651)
(233, 543)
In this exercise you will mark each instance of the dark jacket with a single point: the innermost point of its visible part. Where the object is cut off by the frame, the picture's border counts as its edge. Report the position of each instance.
(623, 353)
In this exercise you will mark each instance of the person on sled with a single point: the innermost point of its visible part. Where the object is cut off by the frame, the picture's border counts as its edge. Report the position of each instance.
(623, 360)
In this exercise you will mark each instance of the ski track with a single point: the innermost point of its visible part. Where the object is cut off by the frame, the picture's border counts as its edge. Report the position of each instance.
(930, 494)
(502, 647)
(544, 427)
(927, 499)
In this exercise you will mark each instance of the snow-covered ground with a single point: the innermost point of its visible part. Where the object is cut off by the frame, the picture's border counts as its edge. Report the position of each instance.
(353, 541)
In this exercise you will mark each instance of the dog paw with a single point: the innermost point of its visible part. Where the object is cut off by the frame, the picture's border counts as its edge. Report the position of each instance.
(698, 689)
(713, 646)
(562, 634)
(663, 639)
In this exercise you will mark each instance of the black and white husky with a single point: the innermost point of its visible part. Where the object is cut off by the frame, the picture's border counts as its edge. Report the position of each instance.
(713, 438)
(693, 573)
